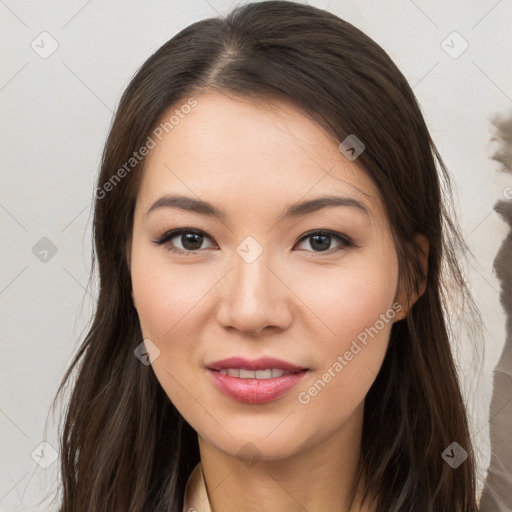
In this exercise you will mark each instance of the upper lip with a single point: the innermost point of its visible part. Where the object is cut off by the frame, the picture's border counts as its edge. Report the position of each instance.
(262, 363)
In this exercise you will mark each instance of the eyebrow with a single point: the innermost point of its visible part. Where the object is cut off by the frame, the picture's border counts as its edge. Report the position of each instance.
(191, 204)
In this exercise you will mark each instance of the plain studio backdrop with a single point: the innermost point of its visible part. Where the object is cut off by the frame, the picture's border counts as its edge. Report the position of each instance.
(64, 67)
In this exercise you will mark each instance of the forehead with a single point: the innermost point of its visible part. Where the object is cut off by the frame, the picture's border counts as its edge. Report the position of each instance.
(254, 150)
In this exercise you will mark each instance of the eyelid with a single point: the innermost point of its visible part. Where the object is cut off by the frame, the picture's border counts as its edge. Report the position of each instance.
(346, 241)
(173, 233)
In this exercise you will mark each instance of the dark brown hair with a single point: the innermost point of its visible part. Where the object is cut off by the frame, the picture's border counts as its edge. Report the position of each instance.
(124, 446)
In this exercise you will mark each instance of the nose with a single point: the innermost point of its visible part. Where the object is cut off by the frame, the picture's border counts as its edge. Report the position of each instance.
(255, 296)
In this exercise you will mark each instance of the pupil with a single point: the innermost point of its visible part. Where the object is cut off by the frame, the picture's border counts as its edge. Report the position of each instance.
(190, 241)
(325, 244)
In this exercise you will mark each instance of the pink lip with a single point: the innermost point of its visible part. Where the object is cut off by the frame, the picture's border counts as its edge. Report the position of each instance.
(257, 364)
(255, 391)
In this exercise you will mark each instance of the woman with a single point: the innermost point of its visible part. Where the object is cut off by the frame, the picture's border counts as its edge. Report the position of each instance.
(271, 234)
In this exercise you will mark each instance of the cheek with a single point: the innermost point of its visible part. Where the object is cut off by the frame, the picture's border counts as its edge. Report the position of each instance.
(162, 319)
(166, 294)
(355, 302)
(170, 305)
(358, 314)
(349, 298)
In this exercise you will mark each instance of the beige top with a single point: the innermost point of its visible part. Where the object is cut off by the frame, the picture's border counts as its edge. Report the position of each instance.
(196, 497)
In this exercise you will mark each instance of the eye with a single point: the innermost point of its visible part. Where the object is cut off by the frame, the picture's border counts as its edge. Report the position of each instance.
(190, 240)
(320, 241)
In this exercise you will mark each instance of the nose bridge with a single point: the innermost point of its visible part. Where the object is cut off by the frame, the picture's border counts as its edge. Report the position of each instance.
(252, 275)
(255, 297)
(253, 283)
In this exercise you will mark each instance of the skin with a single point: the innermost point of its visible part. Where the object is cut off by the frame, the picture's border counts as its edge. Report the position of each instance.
(294, 302)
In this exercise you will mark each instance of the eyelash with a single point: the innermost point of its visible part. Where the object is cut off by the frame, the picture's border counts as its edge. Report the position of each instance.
(346, 242)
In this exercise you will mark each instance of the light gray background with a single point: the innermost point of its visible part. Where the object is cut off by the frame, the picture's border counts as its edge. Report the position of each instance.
(55, 116)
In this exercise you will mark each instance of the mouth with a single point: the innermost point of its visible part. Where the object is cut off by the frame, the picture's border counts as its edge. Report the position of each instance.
(257, 381)
(268, 373)
(263, 364)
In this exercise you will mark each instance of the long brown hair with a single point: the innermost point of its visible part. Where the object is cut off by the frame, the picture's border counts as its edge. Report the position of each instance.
(124, 446)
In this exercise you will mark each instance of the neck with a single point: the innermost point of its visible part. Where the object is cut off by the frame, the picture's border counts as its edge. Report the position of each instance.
(311, 479)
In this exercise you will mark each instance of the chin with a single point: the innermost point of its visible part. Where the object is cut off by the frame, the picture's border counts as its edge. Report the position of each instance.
(259, 443)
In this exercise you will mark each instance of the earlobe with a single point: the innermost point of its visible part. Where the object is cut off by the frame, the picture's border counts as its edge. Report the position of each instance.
(403, 313)
(422, 243)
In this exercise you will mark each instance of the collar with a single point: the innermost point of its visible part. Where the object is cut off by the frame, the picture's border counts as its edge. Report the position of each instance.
(196, 497)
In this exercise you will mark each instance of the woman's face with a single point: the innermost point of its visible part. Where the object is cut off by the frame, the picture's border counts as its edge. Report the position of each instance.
(258, 280)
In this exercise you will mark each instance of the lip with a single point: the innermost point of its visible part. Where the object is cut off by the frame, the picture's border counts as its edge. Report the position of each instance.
(255, 391)
(256, 364)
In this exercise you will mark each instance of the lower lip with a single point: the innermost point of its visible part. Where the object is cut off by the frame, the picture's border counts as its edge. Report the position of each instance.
(255, 391)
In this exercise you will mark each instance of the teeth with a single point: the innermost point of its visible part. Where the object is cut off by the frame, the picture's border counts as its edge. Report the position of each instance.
(269, 373)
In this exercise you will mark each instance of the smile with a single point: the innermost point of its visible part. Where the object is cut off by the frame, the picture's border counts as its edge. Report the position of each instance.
(241, 373)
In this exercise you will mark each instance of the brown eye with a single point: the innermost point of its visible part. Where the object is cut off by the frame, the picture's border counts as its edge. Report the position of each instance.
(190, 240)
(321, 241)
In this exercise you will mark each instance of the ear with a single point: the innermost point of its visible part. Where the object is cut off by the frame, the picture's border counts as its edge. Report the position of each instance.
(422, 244)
